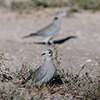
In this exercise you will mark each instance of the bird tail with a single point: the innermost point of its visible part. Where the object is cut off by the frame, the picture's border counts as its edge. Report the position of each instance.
(31, 35)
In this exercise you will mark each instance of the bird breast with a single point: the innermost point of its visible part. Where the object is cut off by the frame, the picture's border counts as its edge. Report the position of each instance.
(51, 70)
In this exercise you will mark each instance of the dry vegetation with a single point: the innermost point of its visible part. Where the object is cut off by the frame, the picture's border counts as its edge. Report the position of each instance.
(65, 86)
(74, 5)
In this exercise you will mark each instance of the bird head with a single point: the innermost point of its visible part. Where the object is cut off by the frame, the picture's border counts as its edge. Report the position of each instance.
(63, 13)
(48, 53)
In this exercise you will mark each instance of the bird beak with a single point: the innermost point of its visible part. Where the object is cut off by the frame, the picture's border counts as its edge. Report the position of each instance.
(43, 54)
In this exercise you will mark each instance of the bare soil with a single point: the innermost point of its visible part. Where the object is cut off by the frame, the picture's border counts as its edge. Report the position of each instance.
(78, 41)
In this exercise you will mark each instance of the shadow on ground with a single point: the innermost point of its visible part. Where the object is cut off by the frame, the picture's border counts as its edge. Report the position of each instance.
(55, 81)
(61, 41)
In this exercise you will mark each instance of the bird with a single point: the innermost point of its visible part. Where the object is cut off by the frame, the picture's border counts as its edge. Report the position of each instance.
(45, 72)
(50, 31)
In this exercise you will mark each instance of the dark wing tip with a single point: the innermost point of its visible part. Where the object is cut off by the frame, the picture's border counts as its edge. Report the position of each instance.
(32, 34)
(25, 37)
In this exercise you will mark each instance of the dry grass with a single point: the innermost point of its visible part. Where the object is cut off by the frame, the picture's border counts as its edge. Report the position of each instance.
(74, 5)
(85, 4)
(65, 86)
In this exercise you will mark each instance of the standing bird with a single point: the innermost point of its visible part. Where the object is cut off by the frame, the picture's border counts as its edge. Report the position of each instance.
(49, 32)
(45, 72)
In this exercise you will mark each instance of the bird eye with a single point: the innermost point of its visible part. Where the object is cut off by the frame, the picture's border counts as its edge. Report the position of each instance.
(49, 52)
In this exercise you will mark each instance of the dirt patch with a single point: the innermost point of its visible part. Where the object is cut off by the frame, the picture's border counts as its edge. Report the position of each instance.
(75, 51)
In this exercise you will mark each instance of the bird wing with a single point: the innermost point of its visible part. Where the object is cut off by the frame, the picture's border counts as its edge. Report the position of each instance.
(39, 74)
(47, 31)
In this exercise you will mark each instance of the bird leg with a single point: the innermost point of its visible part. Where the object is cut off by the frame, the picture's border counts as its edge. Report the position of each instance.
(51, 42)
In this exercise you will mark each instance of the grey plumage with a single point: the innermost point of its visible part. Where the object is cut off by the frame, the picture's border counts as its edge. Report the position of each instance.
(49, 32)
(45, 72)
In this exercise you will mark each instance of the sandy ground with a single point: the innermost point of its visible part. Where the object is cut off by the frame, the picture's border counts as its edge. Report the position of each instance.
(75, 52)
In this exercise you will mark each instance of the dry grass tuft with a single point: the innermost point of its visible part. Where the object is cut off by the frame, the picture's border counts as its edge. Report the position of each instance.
(65, 86)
